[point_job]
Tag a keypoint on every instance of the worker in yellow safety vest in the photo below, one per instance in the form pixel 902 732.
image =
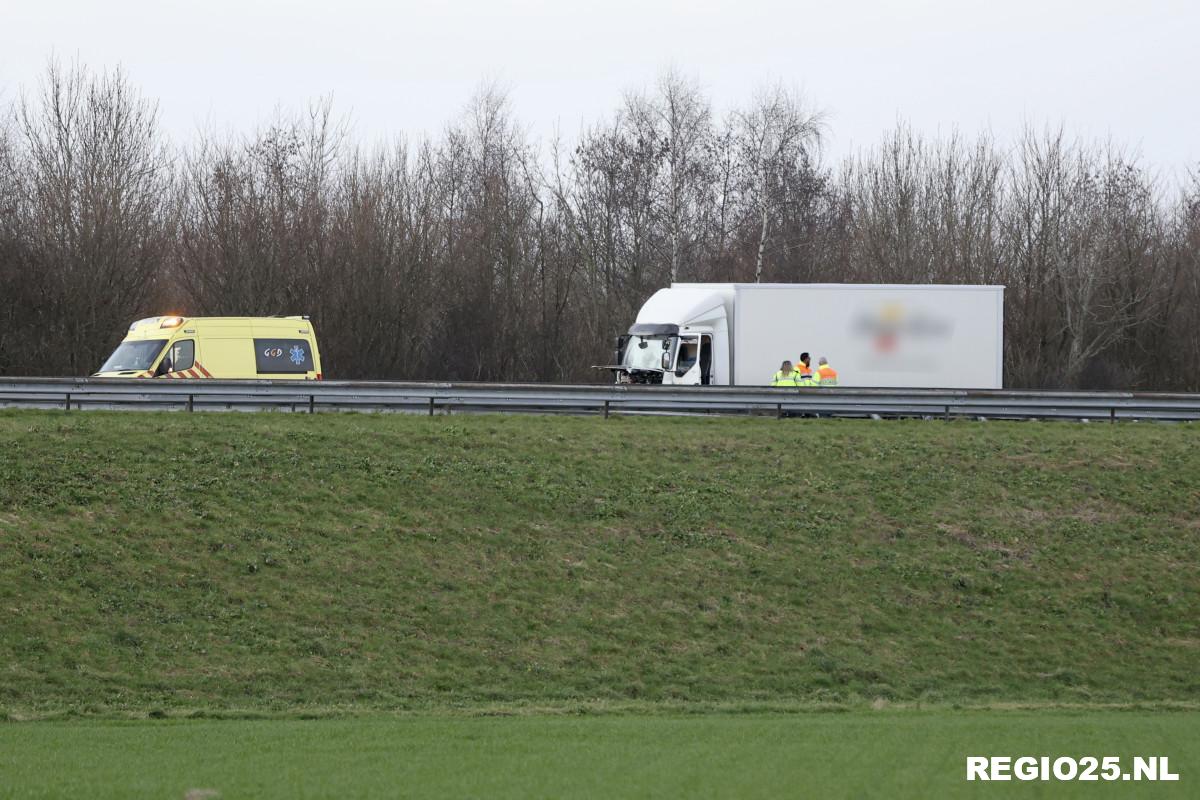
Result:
pixel 786 376
pixel 826 375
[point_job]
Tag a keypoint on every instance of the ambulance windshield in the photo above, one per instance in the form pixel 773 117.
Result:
pixel 134 356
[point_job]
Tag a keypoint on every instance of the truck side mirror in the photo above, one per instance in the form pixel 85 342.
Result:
pixel 666 361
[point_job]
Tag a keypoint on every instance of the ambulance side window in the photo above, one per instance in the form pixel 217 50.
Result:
pixel 182 355
pixel 283 356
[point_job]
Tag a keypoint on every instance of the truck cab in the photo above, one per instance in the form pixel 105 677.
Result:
pixel 669 357
pixel 681 338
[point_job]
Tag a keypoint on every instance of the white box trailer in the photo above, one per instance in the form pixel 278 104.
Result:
pixel 905 336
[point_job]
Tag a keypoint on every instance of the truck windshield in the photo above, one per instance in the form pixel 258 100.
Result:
pixel 645 352
pixel 133 355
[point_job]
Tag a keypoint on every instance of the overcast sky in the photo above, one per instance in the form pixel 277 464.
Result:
pixel 1125 70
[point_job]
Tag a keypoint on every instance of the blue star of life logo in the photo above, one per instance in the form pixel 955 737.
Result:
pixel 296 355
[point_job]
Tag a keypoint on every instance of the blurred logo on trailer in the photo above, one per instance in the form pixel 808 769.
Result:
pixel 899 338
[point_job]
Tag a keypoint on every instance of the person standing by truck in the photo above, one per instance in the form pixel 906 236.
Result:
pixel 803 368
pixel 786 376
pixel 826 375
pixel 804 374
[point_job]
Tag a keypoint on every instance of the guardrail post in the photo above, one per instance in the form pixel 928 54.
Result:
pixel 312 404
pixel 947 413
pixel 189 403
pixel 779 411
pixel 68 401
pixel 606 409
pixel 1112 416
pixel 431 406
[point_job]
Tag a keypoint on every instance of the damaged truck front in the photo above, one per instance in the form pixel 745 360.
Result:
pixel 681 337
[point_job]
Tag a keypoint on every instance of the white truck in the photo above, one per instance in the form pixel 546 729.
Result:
pixel 722 334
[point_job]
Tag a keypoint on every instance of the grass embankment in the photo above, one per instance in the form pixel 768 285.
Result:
pixel 183 563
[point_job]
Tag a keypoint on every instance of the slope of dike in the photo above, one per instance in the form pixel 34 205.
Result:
pixel 213 562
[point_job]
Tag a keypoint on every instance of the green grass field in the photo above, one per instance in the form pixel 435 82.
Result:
pixel 858 754
pixel 626 570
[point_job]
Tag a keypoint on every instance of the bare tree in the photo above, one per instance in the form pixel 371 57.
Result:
pixel 1069 206
pixel 474 255
pixel 677 121
pixel 14 282
pixel 255 216
pixel 93 204
pixel 776 133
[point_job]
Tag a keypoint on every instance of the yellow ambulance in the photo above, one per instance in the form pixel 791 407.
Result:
pixel 217 347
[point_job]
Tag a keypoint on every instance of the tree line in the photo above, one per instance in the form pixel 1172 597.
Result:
pixel 481 254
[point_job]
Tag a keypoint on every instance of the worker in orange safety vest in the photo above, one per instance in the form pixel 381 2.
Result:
pixel 804 371
pixel 826 375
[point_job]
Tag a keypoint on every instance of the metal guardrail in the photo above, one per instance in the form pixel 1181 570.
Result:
pixel 448 398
